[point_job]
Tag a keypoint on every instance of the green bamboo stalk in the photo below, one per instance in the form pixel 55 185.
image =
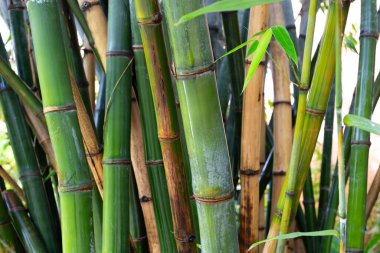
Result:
pixel 73 175
pixel 27 232
pixel 153 156
pixel 152 149
pixel 207 146
pixel 149 19
pixel 325 176
pixel 310 213
pixel 317 103
pixel 117 123
pixel 9 241
pixel 29 171
pixel 236 68
pixel 298 131
pixel 137 227
pixel 360 139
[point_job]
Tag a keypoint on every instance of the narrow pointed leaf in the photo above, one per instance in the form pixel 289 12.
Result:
pixel 331 232
pixel 283 38
pixel 224 5
pixel 362 123
pixel 252 48
pixel 259 53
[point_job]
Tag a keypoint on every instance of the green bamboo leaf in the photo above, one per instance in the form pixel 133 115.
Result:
pixel 257 57
pixel 251 40
pixel 224 5
pixel 252 48
pixel 331 232
pixel 362 123
pixel 375 240
pixel 283 38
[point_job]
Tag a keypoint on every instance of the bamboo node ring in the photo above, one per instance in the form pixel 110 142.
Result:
pixel 168 138
pixel 190 74
pixel 13 6
pixel 279 173
pixel 59 109
pixel 290 27
pixel 214 200
pixel 137 47
pixel 117 162
pixel 94 154
pixel 139 239
pixel 287 102
pixel 290 194
pixel 249 172
pixel 308 202
pixel 121 53
pixel 27 175
pixel 368 34
pixel 154 162
pixel 365 143
pixel 188 238
pixel 75 188
pixel 315 112
pixel 154 20
pixel 87 51
pixel 86 5
pixel 145 199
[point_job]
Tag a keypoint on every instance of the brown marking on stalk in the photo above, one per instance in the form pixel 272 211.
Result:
pixel 214 200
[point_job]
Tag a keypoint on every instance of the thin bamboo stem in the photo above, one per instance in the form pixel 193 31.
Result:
pixel 250 145
pixel 89 69
pixel 372 194
pixel 7 178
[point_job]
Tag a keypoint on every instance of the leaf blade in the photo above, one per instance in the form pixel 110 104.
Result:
pixel 283 38
pixel 362 123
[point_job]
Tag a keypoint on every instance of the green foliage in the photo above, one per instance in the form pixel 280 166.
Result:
pixel 362 123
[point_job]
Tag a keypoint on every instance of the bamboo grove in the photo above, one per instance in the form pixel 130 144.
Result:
pixel 142 126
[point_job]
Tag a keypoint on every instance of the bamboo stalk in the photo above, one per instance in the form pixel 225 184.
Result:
pixel 282 108
pixel 89 69
pixel 27 232
pixel 142 179
pixel 262 220
pixel 310 213
pixel 153 155
pixel 7 178
pixel 27 165
pixel 203 125
pixel 117 126
pixel 97 23
pixel 149 19
pixel 74 177
pixel 9 241
pixel 373 194
pixel 250 146
pixel 360 139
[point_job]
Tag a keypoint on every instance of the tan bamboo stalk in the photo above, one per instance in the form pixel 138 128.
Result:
pixel 90 140
pixel 42 135
pixel 282 108
pixel 89 70
pixel 373 193
pixel 7 178
pixel 250 145
pixel 262 162
pixel 98 25
pixel 141 175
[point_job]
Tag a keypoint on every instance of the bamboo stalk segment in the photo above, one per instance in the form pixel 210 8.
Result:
pixel 250 145
pixel 7 178
pixel 373 194
pixel 89 69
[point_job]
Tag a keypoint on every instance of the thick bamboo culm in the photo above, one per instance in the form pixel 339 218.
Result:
pixel 203 127
pixel 356 222
pixel 97 23
pixel 149 19
pixel 75 184
pixel 282 108
pixel 373 194
pixel 141 175
pixel 250 145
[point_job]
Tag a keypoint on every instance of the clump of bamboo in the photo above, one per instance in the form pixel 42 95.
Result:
pixel 73 175
pixel 250 145
pixel 356 222
pixel 149 19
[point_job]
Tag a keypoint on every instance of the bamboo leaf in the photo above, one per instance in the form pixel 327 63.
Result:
pixel 362 123
pixel 375 240
pixel 283 38
pixel 257 57
pixel 331 232
pixel 252 48
pixel 224 5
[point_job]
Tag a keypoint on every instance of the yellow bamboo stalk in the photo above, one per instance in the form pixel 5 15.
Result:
pixel 141 175
pixel 97 22
pixel 89 70
pixel 262 162
pixel 7 178
pixel 282 108
pixel 250 145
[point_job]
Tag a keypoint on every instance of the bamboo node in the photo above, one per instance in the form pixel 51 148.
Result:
pixel 290 194
pixel 191 74
pixel 188 238
pixel 168 138
pixel 59 108
pixel 249 172
pixel 17 6
pixel 86 5
pixel 279 173
pixel 28 175
pixel 87 51
pixel 214 200
pixel 75 188
pixel 315 112
pixel 247 61
pixel 94 154
pixel 117 162
pixel 368 34
pixel 365 143
pixel 154 162
pixel 145 199
pixel 154 20
pixel 308 202
pixel 290 27
pixel 137 47
pixel 277 102
pixel 139 239
pixel 121 53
